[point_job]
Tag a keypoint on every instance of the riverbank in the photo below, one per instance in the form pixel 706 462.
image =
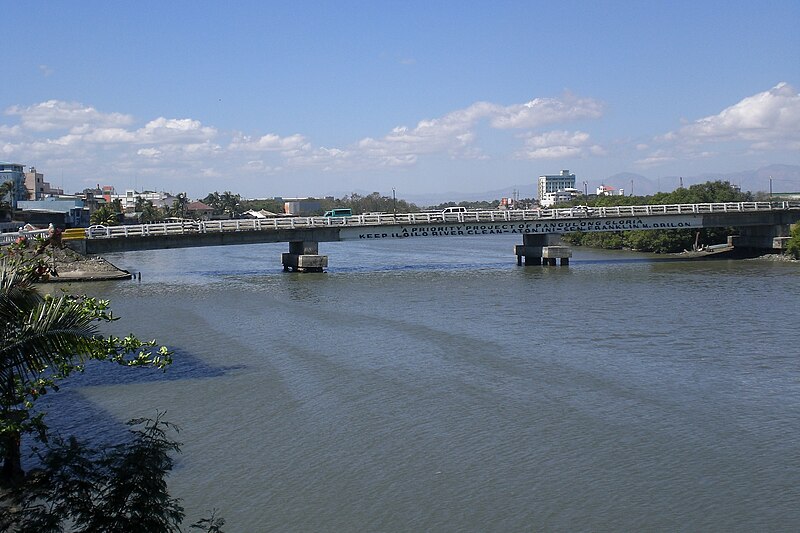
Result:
pixel 71 266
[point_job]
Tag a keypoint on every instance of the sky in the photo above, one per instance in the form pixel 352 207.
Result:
pixel 303 98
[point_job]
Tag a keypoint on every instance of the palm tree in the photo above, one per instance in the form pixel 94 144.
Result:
pixel 42 340
pixel 104 215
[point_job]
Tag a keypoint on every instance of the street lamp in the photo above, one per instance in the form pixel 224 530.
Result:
pixel 394 202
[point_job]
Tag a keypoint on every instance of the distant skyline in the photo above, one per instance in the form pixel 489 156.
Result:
pixel 303 99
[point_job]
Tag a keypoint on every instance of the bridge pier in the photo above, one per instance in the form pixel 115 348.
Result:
pixel 542 248
pixel 766 238
pixel 304 256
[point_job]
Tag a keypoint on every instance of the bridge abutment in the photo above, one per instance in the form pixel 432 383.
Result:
pixel 304 256
pixel 542 249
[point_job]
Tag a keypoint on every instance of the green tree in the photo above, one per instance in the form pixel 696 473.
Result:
pixel 113 488
pixel 226 203
pixel 148 213
pixel 44 339
pixel 275 206
pixel 105 215
pixel 664 241
pixel 8 192
pixel 371 203
pixel 179 205
pixel 793 248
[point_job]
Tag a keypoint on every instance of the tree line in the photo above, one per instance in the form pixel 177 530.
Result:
pixel 662 241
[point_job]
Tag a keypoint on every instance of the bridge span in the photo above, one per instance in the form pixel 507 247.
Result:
pixel 760 223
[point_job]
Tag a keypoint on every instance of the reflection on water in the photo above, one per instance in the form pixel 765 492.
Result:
pixel 435 385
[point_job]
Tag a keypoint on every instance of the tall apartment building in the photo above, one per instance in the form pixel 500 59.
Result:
pixel 555 183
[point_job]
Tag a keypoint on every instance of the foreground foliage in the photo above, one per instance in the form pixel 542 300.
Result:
pixel 119 488
pixel 43 340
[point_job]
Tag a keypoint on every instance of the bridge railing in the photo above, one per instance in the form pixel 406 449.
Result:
pixel 10 237
pixel 378 219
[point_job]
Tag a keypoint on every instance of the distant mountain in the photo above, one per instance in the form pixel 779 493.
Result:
pixel 423 200
pixel 785 178
pixel 630 183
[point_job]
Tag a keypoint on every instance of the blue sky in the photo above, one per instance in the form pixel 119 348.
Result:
pixel 316 98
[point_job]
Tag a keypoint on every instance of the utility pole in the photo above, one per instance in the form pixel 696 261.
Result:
pixel 394 202
pixel 770 188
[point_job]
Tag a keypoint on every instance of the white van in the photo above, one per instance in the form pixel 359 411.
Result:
pixel 454 209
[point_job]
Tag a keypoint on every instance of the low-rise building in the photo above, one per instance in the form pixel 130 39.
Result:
pixel 199 210
pixel 131 196
pixel 301 206
pixel 61 212
pixel 37 187
pixel 559 197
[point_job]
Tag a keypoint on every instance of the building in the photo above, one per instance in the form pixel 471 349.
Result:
pixel 605 190
pixel 199 211
pixel 301 206
pixel 15 173
pixel 557 197
pixel 555 183
pixel 129 199
pixel 37 187
pixel 61 212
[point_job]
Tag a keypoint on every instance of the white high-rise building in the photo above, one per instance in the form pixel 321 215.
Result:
pixel 555 183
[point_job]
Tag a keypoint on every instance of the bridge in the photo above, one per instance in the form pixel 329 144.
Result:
pixel 762 225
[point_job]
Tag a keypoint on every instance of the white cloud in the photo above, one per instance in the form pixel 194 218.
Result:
pixel 152 153
pixel 269 143
pixel 542 111
pixel 86 138
pixel 454 133
pixel 59 115
pixel 10 131
pixel 767 120
pixel 558 145
pixel 174 130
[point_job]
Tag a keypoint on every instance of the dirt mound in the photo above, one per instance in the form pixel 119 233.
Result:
pixel 69 265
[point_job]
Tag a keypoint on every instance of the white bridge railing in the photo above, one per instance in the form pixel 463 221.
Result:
pixel 288 223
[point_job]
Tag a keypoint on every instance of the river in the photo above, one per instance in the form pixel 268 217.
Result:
pixel 434 385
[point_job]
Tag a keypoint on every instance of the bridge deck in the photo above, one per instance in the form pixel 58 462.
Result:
pixel 389 219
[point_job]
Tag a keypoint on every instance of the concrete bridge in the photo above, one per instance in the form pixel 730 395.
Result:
pixel 763 225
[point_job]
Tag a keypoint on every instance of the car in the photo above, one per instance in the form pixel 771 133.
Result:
pixel 454 209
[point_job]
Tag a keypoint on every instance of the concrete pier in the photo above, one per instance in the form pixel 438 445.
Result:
pixel 304 256
pixel 772 237
pixel 551 253
pixel 542 248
